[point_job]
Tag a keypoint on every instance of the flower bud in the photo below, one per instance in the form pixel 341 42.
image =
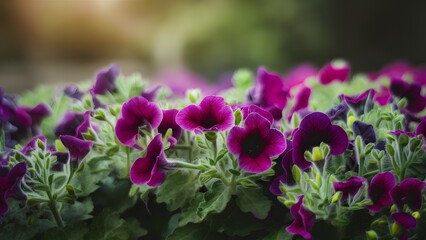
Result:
pixel 238 117
pixel 403 140
pixel 193 95
pixel 371 235
pixel 397 230
pixel 350 121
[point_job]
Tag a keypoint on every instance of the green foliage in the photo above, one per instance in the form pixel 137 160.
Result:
pixel 252 200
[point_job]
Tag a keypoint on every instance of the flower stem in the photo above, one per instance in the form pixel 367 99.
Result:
pixel 127 161
pixel 54 210
pixel 181 164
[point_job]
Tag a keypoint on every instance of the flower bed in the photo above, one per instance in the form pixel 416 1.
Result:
pixel 312 154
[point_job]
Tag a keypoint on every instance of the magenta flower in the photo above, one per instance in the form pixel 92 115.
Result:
pixel 74 92
pixel 350 187
pixel 77 148
pixel 255 144
pixel 137 113
pixel 147 170
pixel 211 115
pixel 298 75
pixel 31 145
pixel 314 129
pixel 411 92
pixel 408 192
pixel 151 94
pixel 304 220
pixel 268 92
pixel 379 190
pixel 361 103
pixel 10 186
pixel 301 100
pixel 383 97
pixel 247 109
pixel 169 121
pixel 74 124
pixel 105 80
pixel 406 221
pixel 334 71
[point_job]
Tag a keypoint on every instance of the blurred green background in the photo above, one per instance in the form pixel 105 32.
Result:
pixel 58 41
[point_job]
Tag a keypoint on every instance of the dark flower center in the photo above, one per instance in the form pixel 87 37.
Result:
pixel 209 122
pixel 376 193
pixel 253 144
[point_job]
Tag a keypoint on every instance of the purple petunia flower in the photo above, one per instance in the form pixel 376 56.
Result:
pixel 77 148
pixel 409 192
pixel 255 144
pixel 338 112
pixel 349 187
pixel 247 109
pixel 361 103
pixel 314 129
pixel 379 190
pixel 31 145
pixel 147 170
pixel 211 115
pixel 151 94
pixel 411 92
pixel 298 75
pixel 10 186
pixel 304 220
pixel 366 131
pixel 137 113
pixel 406 221
pixel 269 93
pixel 383 97
pixel 73 124
pixel 283 170
pixel 74 92
pixel 334 71
pixel 105 80
pixel 169 121
pixel 301 100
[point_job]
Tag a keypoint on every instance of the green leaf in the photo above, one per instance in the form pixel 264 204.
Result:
pixel 279 234
pixel 74 231
pixel 194 232
pixel 179 188
pixel 216 200
pixel 109 226
pixel 252 200
pixel 78 211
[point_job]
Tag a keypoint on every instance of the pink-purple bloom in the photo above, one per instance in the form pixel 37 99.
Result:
pixel 147 170
pixel 366 131
pixel 350 187
pixel 314 129
pixel 247 109
pixel 304 220
pixel 301 100
pixel 211 115
pixel 408 192
pixel 105 80
pixel 137 113
pixel 77 148
pixel 74 124
pixel 416 102
pixel 268 92
pixel 10 186
pixel 406 221
pixel 283 170
pixel 31 145
pixel 255 144
pixel 379 191
pixel 334 71
pixel 338 112
pixel 169 121
pixel 360 103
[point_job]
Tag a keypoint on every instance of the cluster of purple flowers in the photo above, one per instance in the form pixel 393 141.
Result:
pixel 254 133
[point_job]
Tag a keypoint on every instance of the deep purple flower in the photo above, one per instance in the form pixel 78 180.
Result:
pixel 409 192
pixel 137 113
pixel 314 129
pixel 349 187
pixel 72 91
pixel 169 121
pixel 411 92
pixel 105 80
pixel 283 170
pixel 151 94
pixel 147 170
pixel 421 128
pixel 247 109
pixel 77 148
pixel 338 112
pixel 268 92
pixel 379 190
pixel 334 71
pixel 31 145
pixel 406 221
pixel 366 131
pixel 69 123
pixel 301 100
pixel 10 186
pixel 304 220
pixel 211 115
pixel 361 103
pixel 255 144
